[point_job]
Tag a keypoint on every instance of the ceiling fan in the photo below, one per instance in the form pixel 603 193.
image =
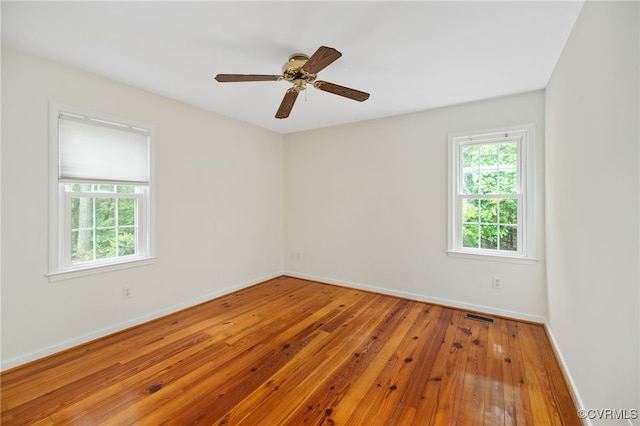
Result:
pixel 300 70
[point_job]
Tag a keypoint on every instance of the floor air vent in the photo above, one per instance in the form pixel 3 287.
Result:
pixel 479 317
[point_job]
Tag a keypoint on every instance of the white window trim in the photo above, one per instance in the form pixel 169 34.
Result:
pixel 526 236
pixel 58 271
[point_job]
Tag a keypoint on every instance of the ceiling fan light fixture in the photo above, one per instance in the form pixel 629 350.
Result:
pixel 299 84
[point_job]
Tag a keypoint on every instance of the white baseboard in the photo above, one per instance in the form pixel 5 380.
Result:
pixel 423 298
pixel 79 340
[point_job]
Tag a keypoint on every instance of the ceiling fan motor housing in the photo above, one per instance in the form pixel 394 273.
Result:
pixel 292 71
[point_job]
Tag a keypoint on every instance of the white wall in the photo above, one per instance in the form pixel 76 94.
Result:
pixel 219 211
pixel 366 206
pixel 592 200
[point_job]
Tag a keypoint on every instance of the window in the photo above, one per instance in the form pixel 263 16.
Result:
pixel 104 221
pixel 100 184
pixel 490 194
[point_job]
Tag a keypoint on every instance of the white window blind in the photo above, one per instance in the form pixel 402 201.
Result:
pixel 97 150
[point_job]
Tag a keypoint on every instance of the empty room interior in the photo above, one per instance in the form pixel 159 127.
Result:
pixel 345 213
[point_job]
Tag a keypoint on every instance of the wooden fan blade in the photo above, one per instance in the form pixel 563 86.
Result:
pixel 347 92
pixel 323 57
pixel 226 78
pixel 287 103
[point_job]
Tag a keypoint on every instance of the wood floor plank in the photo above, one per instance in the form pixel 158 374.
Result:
pixel 435 395
pixel 326 400
pixel 541 374
pixel 524 415
pixel 421 343
pixel 564 403
pixel 264 351
pixel 471 409
pixel 349 413
pixel 494 402
pixel 290 351
pixel 333 355
pixel 508 381
pixel 266 403
pixel 327 363
pixel 397 380
pixel 382 397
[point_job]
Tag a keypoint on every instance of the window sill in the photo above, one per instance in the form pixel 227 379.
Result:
pixel 98 269
pixel 493 257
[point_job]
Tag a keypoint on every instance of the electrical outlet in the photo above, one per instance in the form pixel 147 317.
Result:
pixel 127 293
pixel 295 255
pixel 497 283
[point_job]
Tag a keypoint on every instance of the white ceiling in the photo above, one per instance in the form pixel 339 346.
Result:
pixel 410 56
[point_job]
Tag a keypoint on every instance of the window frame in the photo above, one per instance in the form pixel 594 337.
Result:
pixel 60 265
pixel 524 136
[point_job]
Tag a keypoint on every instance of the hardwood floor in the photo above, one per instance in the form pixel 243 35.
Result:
pixel 290 351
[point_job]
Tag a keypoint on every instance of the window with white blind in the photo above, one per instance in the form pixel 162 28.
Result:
pixel 490 194
pixel 100 192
